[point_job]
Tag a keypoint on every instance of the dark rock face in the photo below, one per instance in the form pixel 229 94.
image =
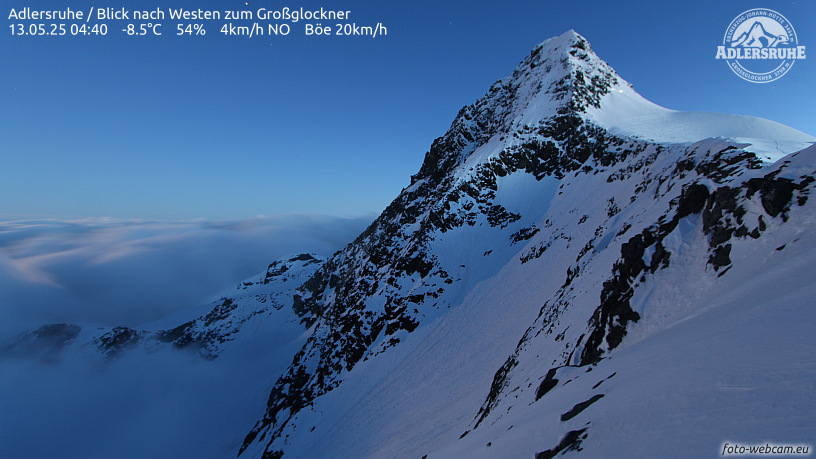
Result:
pixel 181 336
pixel 44 343
pixel 576 410
pixel 547 384
pixel 203 334
pixel 499 383
pixel 693 200
pixel 571 442
pixel 55 333
pixel 723 217
pixel 118 340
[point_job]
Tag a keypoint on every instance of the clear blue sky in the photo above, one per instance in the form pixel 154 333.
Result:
pixel 216 127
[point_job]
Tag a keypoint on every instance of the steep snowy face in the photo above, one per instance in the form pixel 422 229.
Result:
pixel 527 232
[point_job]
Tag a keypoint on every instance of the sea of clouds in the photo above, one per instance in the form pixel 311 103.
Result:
pixel 111 272
pixel 102 272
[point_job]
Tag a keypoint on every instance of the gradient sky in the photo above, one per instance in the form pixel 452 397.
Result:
pixel 222 127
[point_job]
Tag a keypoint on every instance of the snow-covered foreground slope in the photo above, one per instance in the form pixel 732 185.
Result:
pixel 572 270
pixel 739 369
pixel 711 360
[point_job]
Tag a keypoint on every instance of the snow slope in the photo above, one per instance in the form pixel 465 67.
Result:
pixel 624 112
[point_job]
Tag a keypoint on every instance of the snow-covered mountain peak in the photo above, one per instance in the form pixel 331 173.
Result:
pixel 560 76
pixel 601 96
pixel 557 83
pixel 562 88
pixel 590 88
pixel 586 76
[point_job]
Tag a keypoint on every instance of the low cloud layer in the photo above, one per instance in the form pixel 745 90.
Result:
pixel 141 404
pixel 108 273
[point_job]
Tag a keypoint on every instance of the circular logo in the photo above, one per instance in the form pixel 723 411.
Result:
pixel 760 45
